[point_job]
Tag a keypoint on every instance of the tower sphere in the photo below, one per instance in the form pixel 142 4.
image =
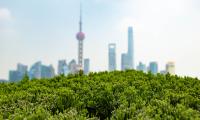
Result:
pixel 80 36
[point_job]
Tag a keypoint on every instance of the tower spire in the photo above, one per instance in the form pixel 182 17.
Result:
pixel 80 27
pixel 80 37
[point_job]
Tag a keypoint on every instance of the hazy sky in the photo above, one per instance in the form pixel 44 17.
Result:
pixel 164 30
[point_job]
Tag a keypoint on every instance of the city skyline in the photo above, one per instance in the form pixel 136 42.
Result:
pixel 28 35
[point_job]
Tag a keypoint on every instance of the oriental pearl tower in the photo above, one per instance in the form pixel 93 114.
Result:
pixel 80 37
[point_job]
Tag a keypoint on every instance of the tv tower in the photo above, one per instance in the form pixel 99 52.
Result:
pixel 80 37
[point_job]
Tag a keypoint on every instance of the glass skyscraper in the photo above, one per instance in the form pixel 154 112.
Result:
pixel 62 67
pixel 86 66
pixel 142 67
pixel 17 75
pixel 112 57
pixel 35 70
pixel 127 59
pixel 153 67
pixel 130 48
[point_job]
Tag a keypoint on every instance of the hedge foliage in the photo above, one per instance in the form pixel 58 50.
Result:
pixel 118 95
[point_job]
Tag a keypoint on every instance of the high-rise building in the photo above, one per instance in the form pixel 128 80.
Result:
pixel 39 71
pixel 124 62
pixel 80 37
pixel 142 67
pixel 17 75
pixel 112 57
pixel 22 68
pixel 47 71
pixel 170 68
pixel 72 67
pixel 127 59
pixel 35 70
pixel 130 53
pixel 14 76
pixel 86 66
pixel 153 67
pixel 62 65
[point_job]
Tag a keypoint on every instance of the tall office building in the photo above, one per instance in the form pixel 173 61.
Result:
pixel 86 66
pixel 47 71
pixel 72 67
pixel 39 71
pixel 35 70
pixel 22 68
pixel 14 76
pixel 142 67
pixel 153 67
pixel 124 62
pixel 170 68
pixel 80 37
pixel 112 57
pixel 127 59
pixel 130 53
pixel 17 75
pixel 62 65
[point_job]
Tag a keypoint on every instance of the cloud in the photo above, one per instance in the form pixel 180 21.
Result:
pixel 5 14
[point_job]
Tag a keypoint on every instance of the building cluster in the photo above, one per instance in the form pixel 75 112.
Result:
pixel 127 59
pixel 38 70
pixel 153 68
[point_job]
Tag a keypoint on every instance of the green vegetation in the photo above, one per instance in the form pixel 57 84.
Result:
pixel 118 95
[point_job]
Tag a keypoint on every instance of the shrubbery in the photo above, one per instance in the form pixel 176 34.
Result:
pixel 116 95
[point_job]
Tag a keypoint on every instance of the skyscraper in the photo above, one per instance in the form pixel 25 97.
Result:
pixel 112 57
pixel 86 66
pixel 153 67
pixel 142 67
pixel 14 76
pixel 35 70
pixel 47 71
pixel 22 68
pixel 39 71
pixel 127 59
pixel 17 75
pixel 62 67
pixel 72 67
pixel 80 37
pixel 130 48
pixel 170 68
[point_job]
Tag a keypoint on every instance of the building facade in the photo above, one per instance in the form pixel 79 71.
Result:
pixel 153 67
pixel 86 66
pixel 14 76
pixel 130 53
pixel 62 65
pixel 142 67
pixel 35 70
pixel 17 75
pixel 112 57
pixel 47 71
pixel 127 59
pixel 72 67
pixel 170 68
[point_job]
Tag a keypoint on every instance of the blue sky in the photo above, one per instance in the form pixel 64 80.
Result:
pixel 164 30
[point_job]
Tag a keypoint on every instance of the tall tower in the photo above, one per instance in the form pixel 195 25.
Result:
pixel 112 57
pixel 130 48
pixel 80 37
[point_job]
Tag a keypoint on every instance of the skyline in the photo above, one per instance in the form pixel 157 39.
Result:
pixel 28 34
